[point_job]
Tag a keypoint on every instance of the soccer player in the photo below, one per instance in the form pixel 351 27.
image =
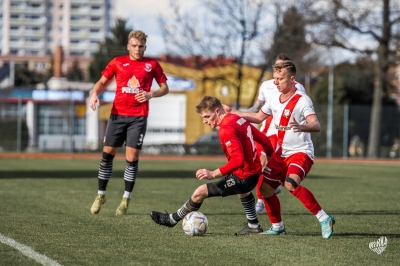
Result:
pixel 134 75
pixel 267 89
pixel 294 118
pixel 239 175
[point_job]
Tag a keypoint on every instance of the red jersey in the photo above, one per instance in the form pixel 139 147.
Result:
pixel 132 76
pixel 238 138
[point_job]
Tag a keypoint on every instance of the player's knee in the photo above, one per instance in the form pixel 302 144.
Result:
pixel 200 193
pixel 290 184
pixel 266 190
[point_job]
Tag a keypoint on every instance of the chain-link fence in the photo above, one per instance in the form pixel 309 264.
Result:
pixel 62 127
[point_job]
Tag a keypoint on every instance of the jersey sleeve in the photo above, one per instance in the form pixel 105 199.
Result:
pixel 300 87
pixel 266 108
pixel 159 74
pixel 308 107
pixel 109 71
pixel 261 93
pixel 234 150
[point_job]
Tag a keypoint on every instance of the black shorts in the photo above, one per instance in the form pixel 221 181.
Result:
pixel 128 129
pixel 232 185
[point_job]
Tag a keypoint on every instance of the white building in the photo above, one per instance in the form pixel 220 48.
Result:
pixel 36 27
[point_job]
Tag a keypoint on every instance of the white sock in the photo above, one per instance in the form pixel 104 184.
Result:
pixel 127 194
pixel 252 225
pixel 260 201
pixel 321 215
pixel 278 226
pixel 101 192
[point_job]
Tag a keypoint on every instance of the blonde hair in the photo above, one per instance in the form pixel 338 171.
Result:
pixel 138 34
pixel 288 65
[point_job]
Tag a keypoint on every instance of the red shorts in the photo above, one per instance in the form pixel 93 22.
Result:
pixel 279 168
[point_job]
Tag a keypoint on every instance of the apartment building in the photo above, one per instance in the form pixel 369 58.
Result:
pixel 32 29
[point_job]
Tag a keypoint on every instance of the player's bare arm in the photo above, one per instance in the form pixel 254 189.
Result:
pixel 144 96
pixel 97 89
pixel 256 107
pixel 311 126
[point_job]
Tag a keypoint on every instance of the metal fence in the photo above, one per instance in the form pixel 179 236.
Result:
pixel 63 130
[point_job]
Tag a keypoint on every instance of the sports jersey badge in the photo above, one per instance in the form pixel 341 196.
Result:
pixel 286 113
pixel 147 67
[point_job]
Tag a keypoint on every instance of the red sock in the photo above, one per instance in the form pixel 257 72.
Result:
pixel 273 208
pixel 259 183
pixel 307 198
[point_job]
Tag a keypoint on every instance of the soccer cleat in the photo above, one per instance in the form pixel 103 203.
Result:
pixel 278 190
pixel 98 201
pixel 272 231
pixel 123 207
pixel 327 227
pixel 162 218
pixel 260 207
pixel 248 230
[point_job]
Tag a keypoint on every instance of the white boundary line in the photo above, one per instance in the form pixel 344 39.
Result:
pixel 29 252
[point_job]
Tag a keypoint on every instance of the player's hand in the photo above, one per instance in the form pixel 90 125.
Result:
pixel 295 126
pixel 94 102
pixel 143 96
pixel 226 108
pixel 204 174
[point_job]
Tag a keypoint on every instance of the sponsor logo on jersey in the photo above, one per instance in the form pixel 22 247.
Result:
pixel 285 128
pixel 126 64
pixel 147 67
pixel 286 113
pixel 228 143
pixel 133 86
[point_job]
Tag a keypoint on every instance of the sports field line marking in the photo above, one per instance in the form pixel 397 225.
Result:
pixel 29 252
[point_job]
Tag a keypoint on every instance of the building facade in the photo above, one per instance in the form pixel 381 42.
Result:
pixel 36 27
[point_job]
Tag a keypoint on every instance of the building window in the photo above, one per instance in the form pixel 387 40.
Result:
pixel 14 51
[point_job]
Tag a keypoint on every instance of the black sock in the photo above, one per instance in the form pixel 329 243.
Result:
pixel 189 206
pixel 105 170
pixel 130 174
pixel 249 207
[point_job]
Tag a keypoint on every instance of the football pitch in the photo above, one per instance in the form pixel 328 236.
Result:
pixel 45 217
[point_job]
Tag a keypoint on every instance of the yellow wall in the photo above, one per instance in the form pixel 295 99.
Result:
pixel 207 83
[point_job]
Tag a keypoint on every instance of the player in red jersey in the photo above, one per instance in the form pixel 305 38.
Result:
pixel 134 76
pixel 294 119
pixel 239 175
pixel 267 89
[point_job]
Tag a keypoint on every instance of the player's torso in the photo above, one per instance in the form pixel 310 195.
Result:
pixel 291 141
pixel 246 143
pixel 133 75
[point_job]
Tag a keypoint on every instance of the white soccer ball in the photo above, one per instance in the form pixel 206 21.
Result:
pixel 195 224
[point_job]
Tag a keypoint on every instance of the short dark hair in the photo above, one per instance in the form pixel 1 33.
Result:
pixel 209 103
pixel 283 57
pixel 291 68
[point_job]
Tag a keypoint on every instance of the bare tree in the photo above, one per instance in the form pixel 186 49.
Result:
pixel 369 27
pixel 230 28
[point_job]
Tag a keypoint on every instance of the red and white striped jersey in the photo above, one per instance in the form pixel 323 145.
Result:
pixel 298 106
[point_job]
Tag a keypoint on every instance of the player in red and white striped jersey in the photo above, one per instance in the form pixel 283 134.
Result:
pixel 267 89
pixel 294 119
